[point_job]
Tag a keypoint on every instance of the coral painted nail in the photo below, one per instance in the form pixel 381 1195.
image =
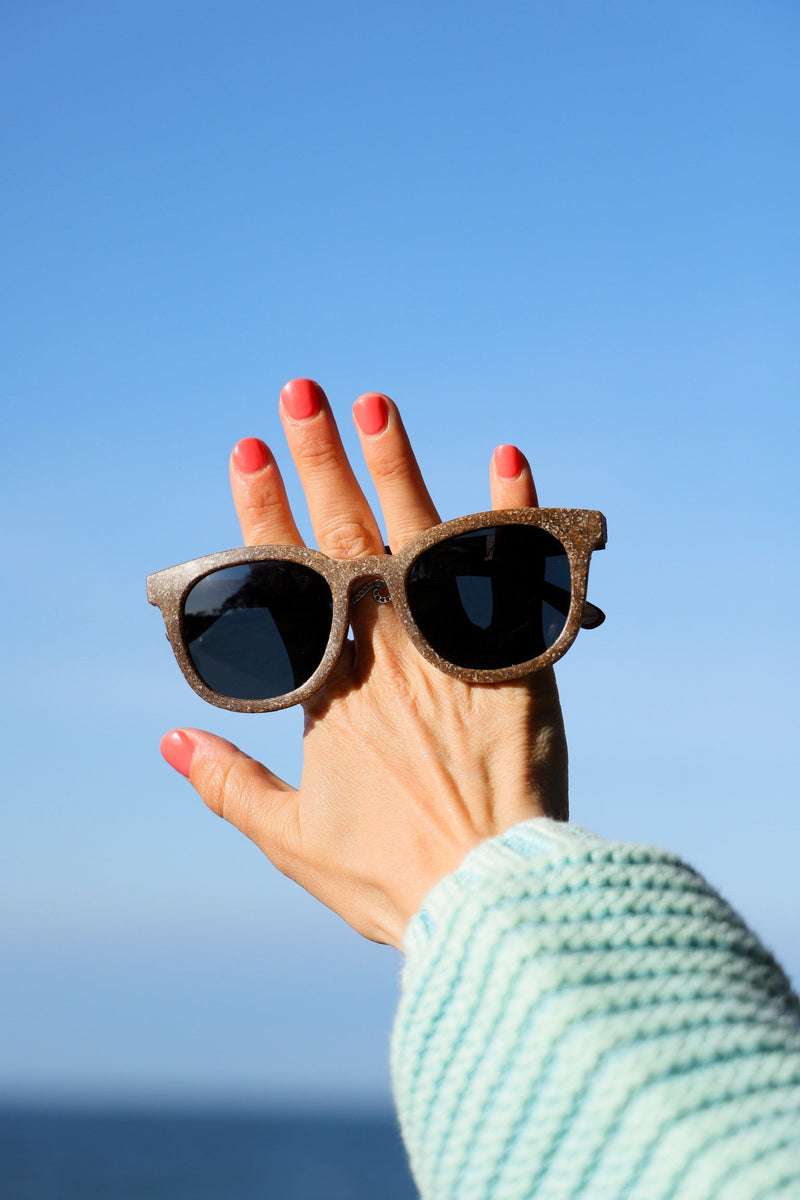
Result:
pixel 508 462
pixel 371 413
pixel 302 398
pixel 178 750
pixel 250 455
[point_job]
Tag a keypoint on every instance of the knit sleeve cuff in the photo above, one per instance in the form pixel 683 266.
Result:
pixel 512 851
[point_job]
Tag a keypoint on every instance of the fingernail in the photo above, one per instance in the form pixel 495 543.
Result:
pixel 178 749
pixel 508 462
pixel 371 413
pixel 250 455
pixel 302 398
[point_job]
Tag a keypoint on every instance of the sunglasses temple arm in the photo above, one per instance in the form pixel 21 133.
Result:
pixel 559 598
pixel 592 616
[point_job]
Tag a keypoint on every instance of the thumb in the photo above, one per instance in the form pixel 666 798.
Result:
pixel 238 788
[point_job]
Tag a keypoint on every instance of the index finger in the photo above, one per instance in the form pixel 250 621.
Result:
pixel 260 496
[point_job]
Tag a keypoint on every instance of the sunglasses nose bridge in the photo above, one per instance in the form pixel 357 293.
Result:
pixel 367 575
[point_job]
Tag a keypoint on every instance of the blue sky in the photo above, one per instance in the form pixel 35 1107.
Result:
pixel 570 226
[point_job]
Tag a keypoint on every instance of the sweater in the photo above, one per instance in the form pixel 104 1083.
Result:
pixel 581 1018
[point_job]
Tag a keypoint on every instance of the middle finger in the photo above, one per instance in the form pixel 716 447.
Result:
pixel 343 522
pixel 405 500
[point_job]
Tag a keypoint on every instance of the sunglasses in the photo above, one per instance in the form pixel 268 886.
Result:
pixel 487 598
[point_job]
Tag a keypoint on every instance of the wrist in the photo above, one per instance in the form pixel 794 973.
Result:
pixel 512 851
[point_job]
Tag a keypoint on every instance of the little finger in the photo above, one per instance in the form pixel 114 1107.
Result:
pixel 511 479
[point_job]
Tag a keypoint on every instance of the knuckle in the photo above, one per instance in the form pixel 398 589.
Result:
pixel 228 794
pixel 319 454
pixel 402 677
pixel 281 849
pixel 347 539
pixel 266 521
pixel 264 505
pixel 390 470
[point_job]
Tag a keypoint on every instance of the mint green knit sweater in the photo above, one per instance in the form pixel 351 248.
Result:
pixel 585 1018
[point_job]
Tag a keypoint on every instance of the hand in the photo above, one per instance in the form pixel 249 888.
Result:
pixel 404 769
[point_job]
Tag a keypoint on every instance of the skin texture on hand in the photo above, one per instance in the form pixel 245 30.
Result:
pixel 404 768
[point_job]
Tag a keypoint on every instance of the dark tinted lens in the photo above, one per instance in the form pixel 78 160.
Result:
pixel 258 630
pixel 493 598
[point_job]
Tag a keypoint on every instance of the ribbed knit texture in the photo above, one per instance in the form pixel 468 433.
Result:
pixel 587 1019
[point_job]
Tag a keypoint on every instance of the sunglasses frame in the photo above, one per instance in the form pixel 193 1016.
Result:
pixel 580 531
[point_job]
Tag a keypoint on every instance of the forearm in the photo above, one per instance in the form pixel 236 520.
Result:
pixel 584 1017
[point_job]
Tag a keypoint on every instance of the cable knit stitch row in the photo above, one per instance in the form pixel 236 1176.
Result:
pixel 581 1018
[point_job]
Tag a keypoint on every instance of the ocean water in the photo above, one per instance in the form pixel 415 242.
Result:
pixel 83 1155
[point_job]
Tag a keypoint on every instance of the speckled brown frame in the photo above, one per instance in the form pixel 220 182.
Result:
pixel 579 530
